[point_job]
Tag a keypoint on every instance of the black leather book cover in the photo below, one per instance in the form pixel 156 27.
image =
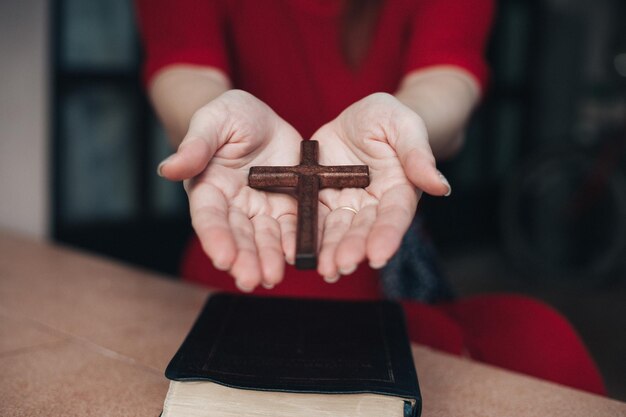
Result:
pixel 300 345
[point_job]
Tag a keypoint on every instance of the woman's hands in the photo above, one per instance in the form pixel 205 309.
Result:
pixel 250 232
pixel 381 132
pixel 244 231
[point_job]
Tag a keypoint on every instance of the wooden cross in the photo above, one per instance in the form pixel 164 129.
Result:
pixel 308 178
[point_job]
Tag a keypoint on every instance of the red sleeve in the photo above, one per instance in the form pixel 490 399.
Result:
pixel 181 32
pixel 451 32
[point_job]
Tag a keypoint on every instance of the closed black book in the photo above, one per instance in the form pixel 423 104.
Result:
pixel 279 356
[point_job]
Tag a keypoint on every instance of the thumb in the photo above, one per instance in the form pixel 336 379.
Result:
pixel 423 173
pixel 197 148
pixel 191 158
pixel 417 159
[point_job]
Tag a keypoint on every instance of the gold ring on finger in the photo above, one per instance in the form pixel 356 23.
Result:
pixel 348 208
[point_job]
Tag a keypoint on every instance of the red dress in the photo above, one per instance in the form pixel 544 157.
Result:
pixel 287 53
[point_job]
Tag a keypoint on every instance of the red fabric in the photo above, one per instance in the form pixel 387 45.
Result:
pixel 526 336
pixel 363 284
pixel 287 53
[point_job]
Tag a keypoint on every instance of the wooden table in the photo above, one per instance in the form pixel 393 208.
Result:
pixel 85 336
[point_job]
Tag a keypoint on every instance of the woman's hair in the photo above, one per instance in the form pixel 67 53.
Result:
pixel 359 20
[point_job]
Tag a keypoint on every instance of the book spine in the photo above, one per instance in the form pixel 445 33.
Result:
pixel 411 410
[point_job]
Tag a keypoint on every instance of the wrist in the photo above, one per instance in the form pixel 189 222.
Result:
pixel 179 91
pixel 444 97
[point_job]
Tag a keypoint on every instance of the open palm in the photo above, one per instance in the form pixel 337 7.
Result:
pixel 391 139
pixel 242 230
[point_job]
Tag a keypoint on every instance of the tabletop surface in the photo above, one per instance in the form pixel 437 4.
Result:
pixel 86 336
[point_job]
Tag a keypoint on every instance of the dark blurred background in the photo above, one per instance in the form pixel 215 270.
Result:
pixel 539 201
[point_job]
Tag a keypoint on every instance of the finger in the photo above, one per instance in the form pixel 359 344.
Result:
pixel 352 247
pixel 267 239
pixel 322 212
pixel 247 268
pixel 287 223
pixel 336 224
pixel 209 215
pixel 416 156
pixel 393 217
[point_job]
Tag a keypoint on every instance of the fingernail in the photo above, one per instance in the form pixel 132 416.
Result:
pixel 347 270
pixel 267 286
pixel 243 287
pixel 290 261
pixel 445 182
pixel 162 164
pixel 219 266
pixel 377 265
pixel 333 279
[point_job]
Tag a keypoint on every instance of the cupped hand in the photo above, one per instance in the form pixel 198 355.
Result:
pixel 244 231
pixel 381 132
